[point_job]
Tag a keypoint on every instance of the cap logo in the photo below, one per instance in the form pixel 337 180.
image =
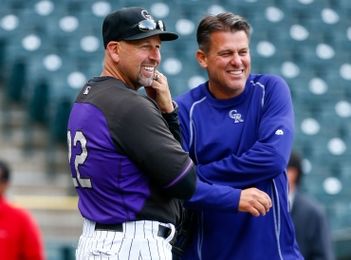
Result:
pixel 145 14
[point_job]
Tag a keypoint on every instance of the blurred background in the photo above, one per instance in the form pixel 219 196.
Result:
pixel 48 49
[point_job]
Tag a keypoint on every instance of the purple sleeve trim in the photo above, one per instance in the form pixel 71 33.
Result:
pixel 184 172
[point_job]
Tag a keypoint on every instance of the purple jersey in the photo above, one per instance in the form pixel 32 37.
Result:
pixel 116 170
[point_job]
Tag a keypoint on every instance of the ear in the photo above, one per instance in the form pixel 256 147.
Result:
pixel 201 58
pixel 113 49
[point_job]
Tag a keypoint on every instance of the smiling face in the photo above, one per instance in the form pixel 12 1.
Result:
pixel 227 62
pixel 138 61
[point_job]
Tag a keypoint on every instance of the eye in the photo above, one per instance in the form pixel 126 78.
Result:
pixel 145 46
pixel 243 52
pixel 225 54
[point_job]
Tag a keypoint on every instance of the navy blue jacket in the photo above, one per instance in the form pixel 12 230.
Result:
pixel 242 142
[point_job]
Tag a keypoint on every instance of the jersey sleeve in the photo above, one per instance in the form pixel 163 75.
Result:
pixel 173 122
pixel 269 155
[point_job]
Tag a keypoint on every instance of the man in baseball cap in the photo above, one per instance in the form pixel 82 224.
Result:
pixel 123 193
pixel 133 23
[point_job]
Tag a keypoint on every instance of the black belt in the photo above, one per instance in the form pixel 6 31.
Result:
pixel 162 230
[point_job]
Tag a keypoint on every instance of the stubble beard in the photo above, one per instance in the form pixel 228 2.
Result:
pixel 145 81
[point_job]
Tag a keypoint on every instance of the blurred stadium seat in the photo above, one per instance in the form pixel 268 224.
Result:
pixel 39 99
pixel 48 49
pixel 15 84
pixel 59 119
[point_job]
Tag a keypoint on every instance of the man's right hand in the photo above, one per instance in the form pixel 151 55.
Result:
pixel 255 202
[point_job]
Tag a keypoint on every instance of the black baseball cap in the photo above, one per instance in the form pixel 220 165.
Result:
pixel 133 23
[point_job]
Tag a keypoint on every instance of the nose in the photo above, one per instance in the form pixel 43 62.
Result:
pixel 155 54
pixel 236 60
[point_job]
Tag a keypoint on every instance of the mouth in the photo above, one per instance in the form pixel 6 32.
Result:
pixel 148 71
pixel 236 72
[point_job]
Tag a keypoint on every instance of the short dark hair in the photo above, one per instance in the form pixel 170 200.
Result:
pixel 296 162
pixel 222 22
pixel 4 172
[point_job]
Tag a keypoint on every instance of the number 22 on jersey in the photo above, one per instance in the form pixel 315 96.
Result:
pixel 78 159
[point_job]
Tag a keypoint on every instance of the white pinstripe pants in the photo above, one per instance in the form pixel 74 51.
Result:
pixel 138 241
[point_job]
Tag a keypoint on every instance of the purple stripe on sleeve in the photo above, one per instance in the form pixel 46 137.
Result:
pixel 185 171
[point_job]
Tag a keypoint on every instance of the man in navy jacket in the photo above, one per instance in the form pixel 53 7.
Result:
pixel 238 128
